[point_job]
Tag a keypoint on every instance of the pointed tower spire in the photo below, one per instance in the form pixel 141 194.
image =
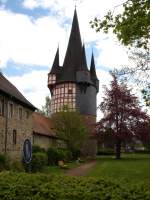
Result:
pixel 55 63
pixel 83 60
pixel 92 69
pixel 73 55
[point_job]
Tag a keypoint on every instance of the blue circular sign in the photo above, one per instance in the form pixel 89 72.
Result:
pixel 27 151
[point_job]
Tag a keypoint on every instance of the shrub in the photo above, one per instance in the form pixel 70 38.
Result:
pixel 39 161
pixel 52 156
pixel 3 162
pixel 55 154
pixel 36 148
pixel 16 166
pixel 76 153
pixel 105 152
pixel 42 187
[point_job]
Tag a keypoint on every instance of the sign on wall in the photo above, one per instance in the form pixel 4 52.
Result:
pixel 27 151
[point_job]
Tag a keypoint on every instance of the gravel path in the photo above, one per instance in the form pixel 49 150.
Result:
pixel 82 169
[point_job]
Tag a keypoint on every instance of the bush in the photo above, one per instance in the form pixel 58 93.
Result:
pixel 76 153
pixel 105 152
pixel 54 155
pixel 16 166
pixel 3 162
pixel 36 148
pixel 42 187
pixel 39 161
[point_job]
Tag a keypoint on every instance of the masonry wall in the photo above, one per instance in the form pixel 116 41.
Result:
pixel 43 141
pixel 23 128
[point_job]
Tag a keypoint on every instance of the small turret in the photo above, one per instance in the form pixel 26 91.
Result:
pixel 54 70
pixel 83 74
pixel 93 73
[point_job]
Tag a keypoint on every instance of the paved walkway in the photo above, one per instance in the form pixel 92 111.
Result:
pixel 82 169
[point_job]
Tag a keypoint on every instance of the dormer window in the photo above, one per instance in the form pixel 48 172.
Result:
pixel 51 79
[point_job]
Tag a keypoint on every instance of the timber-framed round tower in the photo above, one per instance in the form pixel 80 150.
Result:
pixel 73 84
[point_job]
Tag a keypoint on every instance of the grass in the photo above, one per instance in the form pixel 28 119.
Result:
pixel 135 167
pixel 59 171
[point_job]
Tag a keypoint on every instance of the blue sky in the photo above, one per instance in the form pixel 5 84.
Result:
pixel 31 31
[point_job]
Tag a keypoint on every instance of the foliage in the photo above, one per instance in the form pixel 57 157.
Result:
pixel 146 95
pixel 43 187
pixel 70 127
pixel 132 26
pixel 36 148
pixel 123 115
pixel 3 162
pixel 39 161
pixel 55 154
pixel 46 109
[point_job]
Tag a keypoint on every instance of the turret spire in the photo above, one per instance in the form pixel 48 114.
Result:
pixel 92 69
pixel 83 60
pixel 55 63
pixel 73 55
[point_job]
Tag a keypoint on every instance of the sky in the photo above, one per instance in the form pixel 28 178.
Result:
pixel 31 30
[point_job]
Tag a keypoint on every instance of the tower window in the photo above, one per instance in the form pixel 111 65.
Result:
pixel 70 91
pixel 51 79
pixel 14 137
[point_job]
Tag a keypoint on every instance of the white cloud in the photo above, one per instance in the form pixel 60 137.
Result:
pixel 28 42
pixel 111 53
pixel 34 42
pixel 33 86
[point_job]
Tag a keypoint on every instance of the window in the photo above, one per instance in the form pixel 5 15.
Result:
pixel 20 113
pixel 2 107
pixel 14 137
pixel 10 110
pixel 27 114
pixel 51 79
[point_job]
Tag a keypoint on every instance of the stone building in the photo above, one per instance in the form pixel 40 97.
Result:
pixel 74 85
pixel 43 133
pixel 16 123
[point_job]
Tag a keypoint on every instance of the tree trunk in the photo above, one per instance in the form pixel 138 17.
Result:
pixel 118 149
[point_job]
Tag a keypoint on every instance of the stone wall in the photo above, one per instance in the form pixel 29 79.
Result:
pixel 90 144
pixel 22 126
pixel 43 141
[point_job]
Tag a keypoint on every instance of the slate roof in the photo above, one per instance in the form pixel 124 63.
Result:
pixel 42 125
pixel 73 55
pixel 12 92
pixel 92 69
pixel 55 66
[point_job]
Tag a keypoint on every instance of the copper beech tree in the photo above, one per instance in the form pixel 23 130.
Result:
pixel 122 115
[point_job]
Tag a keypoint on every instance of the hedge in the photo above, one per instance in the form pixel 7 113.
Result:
pixel 16 186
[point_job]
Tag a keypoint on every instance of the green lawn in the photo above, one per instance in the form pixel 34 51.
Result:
pixel 59 171
pixel 135 167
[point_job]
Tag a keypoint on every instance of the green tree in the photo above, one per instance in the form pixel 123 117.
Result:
pixel 46 109
pixel 70 126
pixel 132 26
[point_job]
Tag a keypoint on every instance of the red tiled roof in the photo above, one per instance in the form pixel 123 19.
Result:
pixel 10 90
pixel 42 125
